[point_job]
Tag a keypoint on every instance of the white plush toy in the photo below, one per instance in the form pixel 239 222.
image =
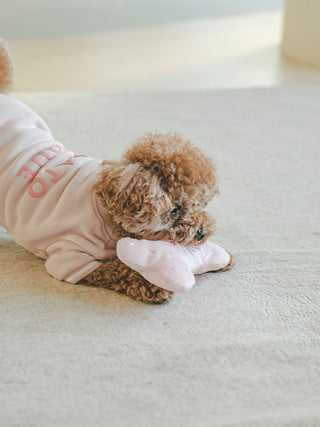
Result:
pixel 170 265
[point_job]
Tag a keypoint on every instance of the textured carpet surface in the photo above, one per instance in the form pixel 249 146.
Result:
pixel 241 348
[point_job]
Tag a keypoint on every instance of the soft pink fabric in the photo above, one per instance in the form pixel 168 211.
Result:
pixel 46 202
pixel 170 265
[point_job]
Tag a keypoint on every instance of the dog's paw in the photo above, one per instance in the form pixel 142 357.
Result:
pixel 231 264
pixel 145 292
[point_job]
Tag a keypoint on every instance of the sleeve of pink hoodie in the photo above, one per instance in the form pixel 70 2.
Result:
pixel 69 262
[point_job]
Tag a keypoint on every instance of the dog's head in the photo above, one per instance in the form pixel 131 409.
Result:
pixel 159 189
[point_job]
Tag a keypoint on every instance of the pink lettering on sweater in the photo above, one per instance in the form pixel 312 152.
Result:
pixel 57 149
pixel 70 161
pixel 38 186
pixel 38 158
pixel 39 162
pixel 26 173
pixel 48 156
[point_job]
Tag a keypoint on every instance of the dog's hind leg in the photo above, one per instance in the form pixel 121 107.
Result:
pixel 116 275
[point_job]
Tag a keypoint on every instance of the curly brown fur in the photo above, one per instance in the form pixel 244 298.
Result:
pixel 119 277
pixel 160 173
pixel 6 68
pixel 157 191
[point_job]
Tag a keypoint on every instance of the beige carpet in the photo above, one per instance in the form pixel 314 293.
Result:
pixel 242 348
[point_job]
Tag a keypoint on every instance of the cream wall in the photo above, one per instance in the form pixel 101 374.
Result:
pixel 126 46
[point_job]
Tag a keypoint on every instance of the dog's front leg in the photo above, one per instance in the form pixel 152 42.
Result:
pixel 115 275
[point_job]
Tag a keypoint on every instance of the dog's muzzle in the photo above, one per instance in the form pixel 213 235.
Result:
pixel 201 233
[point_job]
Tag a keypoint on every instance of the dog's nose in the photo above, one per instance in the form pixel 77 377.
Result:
pixel 201 233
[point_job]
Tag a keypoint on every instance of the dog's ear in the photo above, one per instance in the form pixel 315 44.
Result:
pixel 121 189
pixel 113 187
pixel 178 165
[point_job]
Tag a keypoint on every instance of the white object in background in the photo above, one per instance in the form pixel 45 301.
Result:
pixel 301 34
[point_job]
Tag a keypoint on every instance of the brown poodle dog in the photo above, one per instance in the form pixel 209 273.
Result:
pixel 157 191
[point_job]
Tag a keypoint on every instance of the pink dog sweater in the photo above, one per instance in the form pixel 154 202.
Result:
pixel 46 202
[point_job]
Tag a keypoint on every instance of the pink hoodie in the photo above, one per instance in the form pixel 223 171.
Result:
pixel 46 202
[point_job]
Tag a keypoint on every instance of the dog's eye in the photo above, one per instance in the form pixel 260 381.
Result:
pixel 176 211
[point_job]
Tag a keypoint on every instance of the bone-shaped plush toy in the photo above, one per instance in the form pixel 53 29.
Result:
pixel 170 265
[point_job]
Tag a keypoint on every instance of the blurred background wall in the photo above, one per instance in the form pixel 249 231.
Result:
pixel 54 18
pixel 148 45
